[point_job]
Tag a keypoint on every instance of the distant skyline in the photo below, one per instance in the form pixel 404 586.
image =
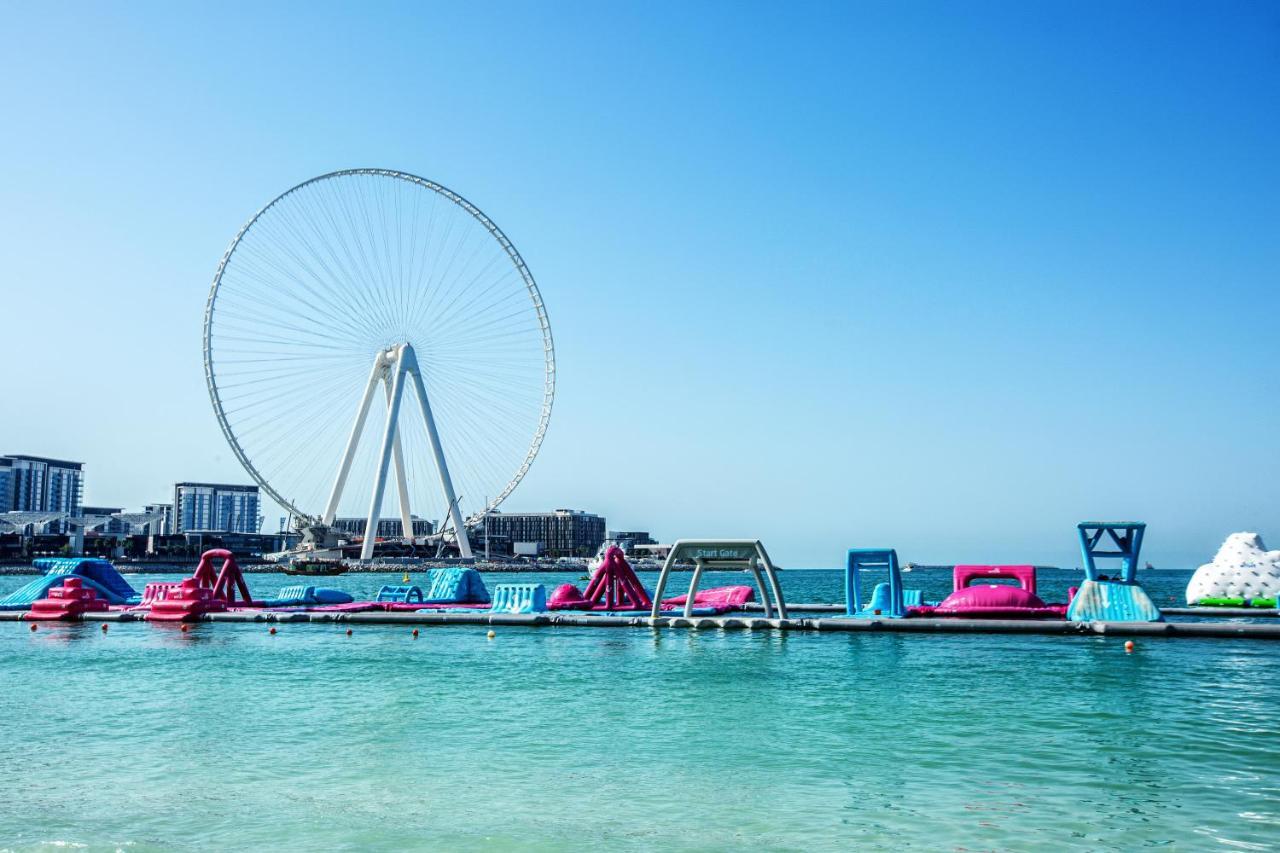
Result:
pixel 946 278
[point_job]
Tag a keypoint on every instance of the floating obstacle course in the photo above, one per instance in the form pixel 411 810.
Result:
pixel 224 597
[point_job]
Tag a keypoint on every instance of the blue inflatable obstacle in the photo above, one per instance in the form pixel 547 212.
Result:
pixel 442 586
pixel 455 586
pixel 399 594
pixel 1118 599
pixel 519 598
pixel 888 598
pixel 302 596
pixel 98 575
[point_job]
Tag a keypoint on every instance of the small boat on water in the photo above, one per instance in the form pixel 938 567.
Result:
pixel 315 568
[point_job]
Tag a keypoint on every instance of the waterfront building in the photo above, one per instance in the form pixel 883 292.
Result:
pixel 388 528
pixel 166 526
pixel 6 484
pixel 561 533
pixel 28 524
pixel 215 508
pixel 627 540
pixel 40 484
pixel 104 520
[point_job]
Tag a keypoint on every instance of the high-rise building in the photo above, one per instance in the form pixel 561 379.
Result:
pixel 215 508
pixel 562 533
pixel 6 484
pixel 39 484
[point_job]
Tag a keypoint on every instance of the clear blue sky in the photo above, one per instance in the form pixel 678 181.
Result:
pixel 946 277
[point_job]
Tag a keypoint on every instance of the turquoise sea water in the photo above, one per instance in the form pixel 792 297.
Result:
pixel 226 737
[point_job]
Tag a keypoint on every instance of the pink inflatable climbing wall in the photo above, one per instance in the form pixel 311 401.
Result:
pixel 614 586
pixel 203 592
pixel 616 583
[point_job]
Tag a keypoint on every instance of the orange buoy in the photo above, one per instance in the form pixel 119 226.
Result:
pixel 348 632
pixel 415 633
pixel 1128 646
pixel 185 627
pixel 104 626
pixel 33 626
pixel 272 631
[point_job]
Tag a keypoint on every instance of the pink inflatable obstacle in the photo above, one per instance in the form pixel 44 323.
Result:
pixel 203 592
pixel 992 601
pixel 184 602
pixel 723 598
pixel 614 586
pixel 68 601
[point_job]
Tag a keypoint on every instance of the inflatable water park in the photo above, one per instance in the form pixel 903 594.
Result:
pixel 1243 580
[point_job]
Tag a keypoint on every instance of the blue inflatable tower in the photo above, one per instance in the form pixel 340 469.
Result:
pixel 1115 599
pixel 886 598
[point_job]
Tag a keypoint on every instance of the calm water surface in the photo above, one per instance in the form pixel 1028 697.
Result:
pixel 148 738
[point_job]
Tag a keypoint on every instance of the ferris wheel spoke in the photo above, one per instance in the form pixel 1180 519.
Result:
pixel 299 446
pixel 373 204
pixel 369 251
pixel 265 306
pixel 438 279
pixel 245 323
pixel 319 297
pixel 306 229
pixel 294 393
pixel 459 305
pixel 346 236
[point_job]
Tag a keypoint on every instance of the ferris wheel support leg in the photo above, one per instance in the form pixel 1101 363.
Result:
pixel 402 484
pixel 446 482
pixel 384 460
pixel 344 468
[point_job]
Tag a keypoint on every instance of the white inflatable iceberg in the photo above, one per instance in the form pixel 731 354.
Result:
pixel 1242 568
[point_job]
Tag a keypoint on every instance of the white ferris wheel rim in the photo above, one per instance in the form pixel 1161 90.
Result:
pixel 517 260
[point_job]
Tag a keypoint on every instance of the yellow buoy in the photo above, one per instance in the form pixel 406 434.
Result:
pixel 492 635
pixel 405 579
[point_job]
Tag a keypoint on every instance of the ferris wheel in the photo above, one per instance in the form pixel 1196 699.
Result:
pixel 365 281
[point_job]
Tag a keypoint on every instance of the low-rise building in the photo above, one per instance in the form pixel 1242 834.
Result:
pixel 628 540
pixel 388 528
pixel 561 533
pixel 166 524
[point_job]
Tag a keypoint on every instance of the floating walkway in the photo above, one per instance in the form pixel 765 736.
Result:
pixel 1173 630
pixel 1211 612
